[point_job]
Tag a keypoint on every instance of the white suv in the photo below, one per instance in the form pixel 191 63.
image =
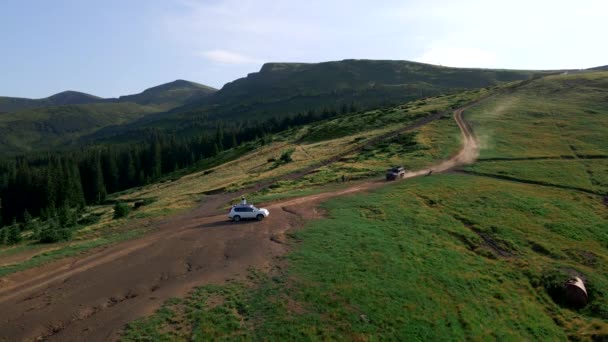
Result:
pixel 240 212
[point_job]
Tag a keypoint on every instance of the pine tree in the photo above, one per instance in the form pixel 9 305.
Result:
pixel 110 171
pixel 3 235
pixel 75 192
pixel 67 217
pixel 35 231
pixel 99 188
pixel 219 137
pixel 14 235
pixel 128 171
pixel 27 220
pixel 51 185
pixel 234 142
pixel 156 158
pixel 344 109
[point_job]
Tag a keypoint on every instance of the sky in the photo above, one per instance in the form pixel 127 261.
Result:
pixel 117 47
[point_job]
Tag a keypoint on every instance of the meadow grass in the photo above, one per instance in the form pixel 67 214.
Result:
pixel 408 262
pixel 447 257
pixel 553 130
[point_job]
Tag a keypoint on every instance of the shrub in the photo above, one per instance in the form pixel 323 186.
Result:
pixel 286 156
pixel 55 233
pixel 89 219
pixel 140 203
pixel 14 235
pixel 121 209
pixel 48 235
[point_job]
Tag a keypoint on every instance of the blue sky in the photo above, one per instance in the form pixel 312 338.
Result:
pixel 110 47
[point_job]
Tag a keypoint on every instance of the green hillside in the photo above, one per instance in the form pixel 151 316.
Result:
pixel 282 89
pixel 12 104
pixel 171 94
pixel 59 121
pixel 368 83
pixel 52 127
pixel 472 255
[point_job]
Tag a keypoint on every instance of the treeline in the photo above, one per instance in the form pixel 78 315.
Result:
pixel 62 182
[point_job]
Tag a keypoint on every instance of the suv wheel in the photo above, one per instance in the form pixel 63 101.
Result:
pixel 236 218
pixel 260 217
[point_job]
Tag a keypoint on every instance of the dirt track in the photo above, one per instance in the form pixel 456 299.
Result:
pixel 92 297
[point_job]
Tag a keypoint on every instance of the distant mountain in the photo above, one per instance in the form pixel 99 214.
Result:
pixel 600 68
pixel 44 128
pixel 366 82
pixel 11 104
pixel 177 92
pixel 61 119
pixel 168 95
pixel 70 97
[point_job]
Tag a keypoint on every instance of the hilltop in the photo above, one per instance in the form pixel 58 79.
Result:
pixel 286 89
pixel 69 97
pixel 174 93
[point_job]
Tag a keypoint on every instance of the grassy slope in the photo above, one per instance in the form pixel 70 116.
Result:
pixel 561 126
pixel 311 145
pixel 450 256
pixel 401 264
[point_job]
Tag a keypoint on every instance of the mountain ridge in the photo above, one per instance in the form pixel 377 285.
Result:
pixel 72 97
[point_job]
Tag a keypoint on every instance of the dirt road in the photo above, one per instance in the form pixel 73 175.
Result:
pixel 91 298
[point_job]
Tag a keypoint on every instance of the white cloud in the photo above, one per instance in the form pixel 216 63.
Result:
pixel 228 57
pixel 459 57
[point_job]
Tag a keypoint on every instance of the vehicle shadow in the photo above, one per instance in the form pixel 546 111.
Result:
pixel 226 223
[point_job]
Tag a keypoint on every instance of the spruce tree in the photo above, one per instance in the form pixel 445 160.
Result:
pixel 27 220
pixel 75 192
pixel 110 171
pixel 99 188
pixel 219 137
pixel 14 235
pixel 156 158
pixel 234 142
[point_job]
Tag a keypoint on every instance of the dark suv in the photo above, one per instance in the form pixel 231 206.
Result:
pixel 394 173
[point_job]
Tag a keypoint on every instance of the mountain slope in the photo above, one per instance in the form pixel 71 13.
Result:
pixel 279 89
pixel 61 119
pixel 178 92
pixel 11 104
pixel 47 128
